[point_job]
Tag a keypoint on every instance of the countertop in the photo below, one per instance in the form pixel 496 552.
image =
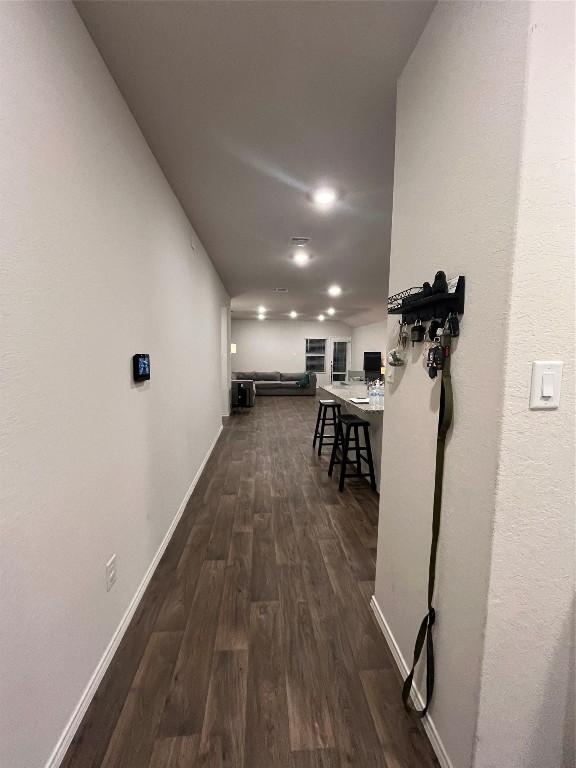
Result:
pixel 345 392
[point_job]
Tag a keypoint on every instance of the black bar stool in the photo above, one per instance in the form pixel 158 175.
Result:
pixel 345 442
pixel 322 421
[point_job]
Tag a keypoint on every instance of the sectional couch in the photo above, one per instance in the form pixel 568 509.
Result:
pixel 276 383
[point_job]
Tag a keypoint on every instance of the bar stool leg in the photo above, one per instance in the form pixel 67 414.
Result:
pixel 370 461
pixel 317 424
pixel 344 459
pixel 322 428
pixel 358 454
pixel 333 420
pixel 334 453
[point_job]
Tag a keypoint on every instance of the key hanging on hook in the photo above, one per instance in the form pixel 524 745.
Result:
pixel 396 356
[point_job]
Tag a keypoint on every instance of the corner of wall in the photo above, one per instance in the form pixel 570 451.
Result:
pixel 459 118
pixel 530 611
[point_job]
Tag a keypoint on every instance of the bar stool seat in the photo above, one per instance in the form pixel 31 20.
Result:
pixel 348 440
pixel 323 420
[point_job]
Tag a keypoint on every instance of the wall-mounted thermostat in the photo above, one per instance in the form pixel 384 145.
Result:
pixel 141 367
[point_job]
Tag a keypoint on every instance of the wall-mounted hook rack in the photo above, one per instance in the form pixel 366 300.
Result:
pixel 415 304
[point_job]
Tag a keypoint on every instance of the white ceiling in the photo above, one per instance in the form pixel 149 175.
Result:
pixel 247 107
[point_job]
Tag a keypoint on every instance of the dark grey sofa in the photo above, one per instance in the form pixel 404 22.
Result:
pixel 276 383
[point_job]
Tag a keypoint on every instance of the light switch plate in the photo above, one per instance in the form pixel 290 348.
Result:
pixel 545 385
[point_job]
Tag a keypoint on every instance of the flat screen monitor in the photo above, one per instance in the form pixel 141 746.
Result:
pixel 373 361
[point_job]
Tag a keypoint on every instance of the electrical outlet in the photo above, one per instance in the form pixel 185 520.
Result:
pixel 111 573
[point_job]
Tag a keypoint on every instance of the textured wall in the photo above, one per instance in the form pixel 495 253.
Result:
pixel 98 262
pixel 530 628
pixel 280 345
pixel 459 116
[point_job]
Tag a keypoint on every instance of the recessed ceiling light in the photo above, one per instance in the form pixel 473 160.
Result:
pixel 301 257
pixel 331 310
pixel 321 318
pixel 324 198
pixel 261 309
pixel 334 290
pixel 293 314
pixel 261 316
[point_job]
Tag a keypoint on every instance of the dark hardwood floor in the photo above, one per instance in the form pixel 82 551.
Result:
pixel 254 645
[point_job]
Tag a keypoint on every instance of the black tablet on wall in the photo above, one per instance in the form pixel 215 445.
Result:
pixel 141 367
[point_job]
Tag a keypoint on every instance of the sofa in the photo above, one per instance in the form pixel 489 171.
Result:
pixel 276 383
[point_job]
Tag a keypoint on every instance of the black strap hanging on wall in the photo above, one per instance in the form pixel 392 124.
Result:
pixel 425 631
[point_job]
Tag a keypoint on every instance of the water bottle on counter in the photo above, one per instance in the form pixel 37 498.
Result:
pixel 376 396
pixel 372 396
pixel 381 396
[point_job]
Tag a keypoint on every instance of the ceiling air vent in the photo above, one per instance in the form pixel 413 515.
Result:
pixel 279 290
pixel 301 241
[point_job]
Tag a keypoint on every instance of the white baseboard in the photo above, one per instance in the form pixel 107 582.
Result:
pixel 417 697
pixel 73 724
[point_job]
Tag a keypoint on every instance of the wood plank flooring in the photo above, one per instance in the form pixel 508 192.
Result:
pixel 254 645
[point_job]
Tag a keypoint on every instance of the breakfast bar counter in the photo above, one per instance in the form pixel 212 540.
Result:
pixel 344 393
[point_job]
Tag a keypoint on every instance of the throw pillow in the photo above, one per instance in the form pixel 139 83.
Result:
pixel 304 381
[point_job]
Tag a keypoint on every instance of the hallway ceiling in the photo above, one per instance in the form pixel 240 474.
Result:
pixel 248 106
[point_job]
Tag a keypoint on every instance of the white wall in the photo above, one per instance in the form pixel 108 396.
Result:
pixel 98 262
pixel 368 338
pixel 459 116
pixel 280 345
pixel 530 630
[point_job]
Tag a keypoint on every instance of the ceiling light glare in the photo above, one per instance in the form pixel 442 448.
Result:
pixel 301 257
pixel 261 309
pixel 321 318
pixel 331 310
pixel 261 316
pixel 293 314
pixel 334 290
pixel 324 198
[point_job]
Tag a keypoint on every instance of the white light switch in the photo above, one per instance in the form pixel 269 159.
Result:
pixel 545 386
